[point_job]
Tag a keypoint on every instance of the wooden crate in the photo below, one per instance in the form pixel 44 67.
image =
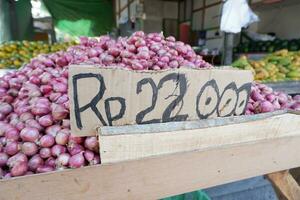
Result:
pixel 226 150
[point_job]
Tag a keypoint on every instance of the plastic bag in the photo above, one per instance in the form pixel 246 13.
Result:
pixel 260 37
pixel 235 15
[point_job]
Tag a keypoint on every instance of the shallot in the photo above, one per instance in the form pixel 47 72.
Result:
pixel 29 134
pixel 76 160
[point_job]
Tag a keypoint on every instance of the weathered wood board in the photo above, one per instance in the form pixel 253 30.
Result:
pixel 126 143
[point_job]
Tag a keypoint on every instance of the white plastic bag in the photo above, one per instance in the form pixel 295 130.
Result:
pixel 235 15
pixel 260 37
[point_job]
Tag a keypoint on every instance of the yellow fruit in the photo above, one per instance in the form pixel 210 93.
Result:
pixel 16 62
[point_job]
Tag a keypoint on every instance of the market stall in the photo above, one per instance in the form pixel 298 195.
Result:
pixel 116 113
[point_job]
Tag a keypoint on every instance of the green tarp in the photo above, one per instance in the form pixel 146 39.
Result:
pixel 78 17
pixel 24 21
pixel 197 195
pixel 15 20
pixel 5 33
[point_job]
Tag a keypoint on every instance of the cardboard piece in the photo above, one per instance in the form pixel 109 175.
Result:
pixel 114 96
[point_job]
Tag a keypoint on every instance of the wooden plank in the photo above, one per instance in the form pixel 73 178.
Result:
pixel 158 177
pixel 285 184
pixel 188 125
pixel 135 145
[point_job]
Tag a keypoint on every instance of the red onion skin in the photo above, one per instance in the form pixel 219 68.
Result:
pixel 33 124
pixel 282 98
pixel 3 127
pixel 35 162
pixel 296 106
pixel 62 160
pixel 6 98
pixel 64 98
pixel 276 104
pixel 20 126
pixel 250 107
pixel 74 139
pixel 40 109
pixel 75 148
pixel 270 97
pixel 297 98
pixel 35 80
pixel 3 141
pixel 53 130
pixel 46 89
pixel 92 144
pixel 14 122
pixel 47 141
pixel 25 116
pixel 7 176
pixel 3 159
pixel 59 112
pixel 29 173
pixel 46 120
pixel 19 157
pixel 29 134
pixel 44 169
pixel 66 123
pixel 50 162
pixel 12 134
pixel 285 106
pixel 45 77
pixel 2 117
pixel 19 169
pixel 5 108
pixel 57 149
pixel 12 148
pixel 45 152
pixel 54 96
pixel 89 155
pixel 76 161
pixel 266 106
pixel 96 160
pixel 66 131
pixel 60 87
pixel 62 138
pixel 256 96
pixel 29 148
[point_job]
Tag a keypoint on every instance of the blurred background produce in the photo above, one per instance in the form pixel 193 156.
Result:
pixel 281 65
pixel 14 54
pixel 267 46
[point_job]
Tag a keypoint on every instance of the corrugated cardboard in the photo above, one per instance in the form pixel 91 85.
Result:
pixel 114 96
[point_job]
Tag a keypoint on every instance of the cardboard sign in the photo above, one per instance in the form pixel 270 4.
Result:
pixel 114 96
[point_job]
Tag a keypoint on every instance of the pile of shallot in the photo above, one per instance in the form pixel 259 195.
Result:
pixel 263 99
pixel 35 134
